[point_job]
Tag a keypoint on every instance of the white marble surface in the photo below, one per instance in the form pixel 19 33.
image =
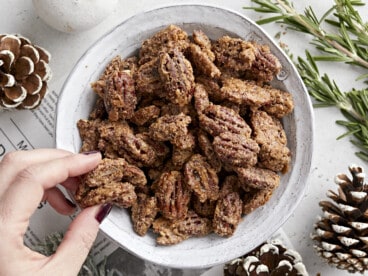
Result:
pixel 330 156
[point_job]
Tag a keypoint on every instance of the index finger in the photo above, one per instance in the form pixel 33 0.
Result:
pixel 22 197
pixel 16 161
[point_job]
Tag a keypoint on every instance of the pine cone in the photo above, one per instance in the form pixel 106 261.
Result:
pixel 24 73
pixel 270 258
pixel 341 235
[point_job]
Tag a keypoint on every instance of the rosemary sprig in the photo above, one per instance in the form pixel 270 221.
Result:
pixel 348 44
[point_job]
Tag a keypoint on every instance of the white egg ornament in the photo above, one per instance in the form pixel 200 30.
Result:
pixel 72 16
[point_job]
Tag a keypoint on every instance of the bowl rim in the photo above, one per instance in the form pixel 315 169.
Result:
pixel 108 224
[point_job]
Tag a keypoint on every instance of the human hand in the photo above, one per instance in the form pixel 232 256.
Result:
pixel 26 179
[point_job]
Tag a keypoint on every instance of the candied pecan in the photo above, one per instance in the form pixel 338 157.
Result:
pixel 281 102
pixel 212 87
pixel 270 135
pixel 204 209
pixel 166 234
pixel 147 77
pixel 176 73
pixel 119 96
pixel 174 232
pixel 172 195
pixel 144 211
pixel 234 53
pixel 245 92
pixel 117 64
pixel 229 185
pixel 217 119
pixel 202 63
pixel 171 128
pixel 201 178
pixel 258 178
pixel 193 225
pixel 265 66
pixel 98 111
pixel 180 156
pixel 136 149
pixel 112 181
pixel 202 40
pixel 163 41
pixel 119 193
pixel 88 131
pixel 255 198
pixel 205 145
pixel 160 149
pixel 145 115
pixel 236 149
pixel 227 214
pixel 201 101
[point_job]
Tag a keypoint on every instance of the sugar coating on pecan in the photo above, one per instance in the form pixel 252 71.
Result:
pixel 173 232
pixel 227 214
pixel 245 92
pixel 271 137
pixel 201 100
pixel 255 198
pixel 172 195
pixel 145 115
pixel 257 178
pixel 144 212
pixel 207 150
pixel 229 185
pixel 170 128
pixel 202 62
pixel 265 66
pixel 281 103
pixel 88 131
pixel 176 73
pixel 148 80
pixel 234 53
pixel 236 149
pixel 201 178
pixel 217 119
pixel 203 41
pixel 204 209
pixel 163 41
pixel 119 96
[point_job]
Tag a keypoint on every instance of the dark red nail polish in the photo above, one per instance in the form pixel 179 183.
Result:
pixel 90 152
pixel 104 211
pixel 70 203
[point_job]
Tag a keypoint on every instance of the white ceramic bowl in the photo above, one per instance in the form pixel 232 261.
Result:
pixel 77 99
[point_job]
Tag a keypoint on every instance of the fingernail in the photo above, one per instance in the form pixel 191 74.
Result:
pixel 70 203
pixel 104 211
pixel 90 152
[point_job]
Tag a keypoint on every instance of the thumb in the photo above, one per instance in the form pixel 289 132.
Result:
pixel 78 240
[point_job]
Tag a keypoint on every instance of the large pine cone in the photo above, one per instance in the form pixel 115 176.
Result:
pixel 24 73
pixel 341 235
pixel 270 258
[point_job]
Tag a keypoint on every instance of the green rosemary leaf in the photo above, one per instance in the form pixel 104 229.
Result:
pixel 270 19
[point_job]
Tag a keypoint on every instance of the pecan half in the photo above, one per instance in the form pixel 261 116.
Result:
pixel 119 96
pixel 144 211
pixel 145 115
pixel 255 198
pixel 269 133
pixel 176 73
pixel 201 178
pixel 166 234
pixel 88 131
pixel 171 128
pixel 207 150
pixel 234 53
pixel 172 195
pixel 217 119
pixel 203 41
pixel 281 103
pixel 257 178
pixel 202 62
pixel 227 214
pixel 147 77
pixel 236 149
pixel 201 101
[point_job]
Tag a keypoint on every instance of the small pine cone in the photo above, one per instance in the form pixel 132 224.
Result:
pixel 24 73
pixel 341 235
pixel 270 258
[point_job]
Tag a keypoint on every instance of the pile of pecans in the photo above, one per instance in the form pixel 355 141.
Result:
pixel 190 132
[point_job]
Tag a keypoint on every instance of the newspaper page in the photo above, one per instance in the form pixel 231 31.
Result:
pixel 31 129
